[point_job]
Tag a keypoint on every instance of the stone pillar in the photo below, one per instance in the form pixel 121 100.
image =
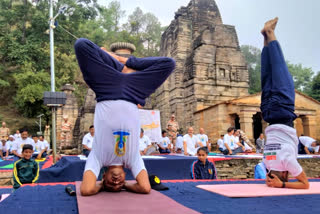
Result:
pixel 70 109
pixel 246 123
pixel 309 126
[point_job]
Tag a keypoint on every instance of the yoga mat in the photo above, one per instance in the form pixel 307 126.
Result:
pixel 9 166
pixel 127 202
pixel 4 196
pixel 258 190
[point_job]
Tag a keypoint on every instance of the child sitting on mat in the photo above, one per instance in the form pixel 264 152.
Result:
pixel 25 170
pixel 202 168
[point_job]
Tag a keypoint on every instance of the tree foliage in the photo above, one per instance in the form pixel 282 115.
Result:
pixel 315 87
pixel 24 45
pixel 302 76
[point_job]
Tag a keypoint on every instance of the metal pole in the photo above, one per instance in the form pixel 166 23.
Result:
pixel 40 124
pixel 51 25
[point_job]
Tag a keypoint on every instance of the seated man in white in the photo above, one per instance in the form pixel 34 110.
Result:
pixel 203 138
pixel 164 144
pixel 190 142
pixel 17 149
pixel 46 144
pixel 38 148
pixel 145 145
pixel 10 144
pixel 179 144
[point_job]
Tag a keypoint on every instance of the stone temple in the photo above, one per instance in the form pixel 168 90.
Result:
pixel 209 87
pixel 210 67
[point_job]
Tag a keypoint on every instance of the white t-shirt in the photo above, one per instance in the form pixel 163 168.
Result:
pixel 203 138
pixel 21 142
pixel 307 141
pixel 16 136
pixel 281 149
pixel 221 144
pixel 88 140
pixel 2 147
pixel 10 145
pixel 165 142
pixel 46 144
pixel 116 138
pixel 179 143
pixel 230 141
pixel 144 142
pixel 38 147
pixel 191 143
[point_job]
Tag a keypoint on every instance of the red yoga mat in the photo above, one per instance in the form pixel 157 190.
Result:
pixel 258 190
pixel 126 202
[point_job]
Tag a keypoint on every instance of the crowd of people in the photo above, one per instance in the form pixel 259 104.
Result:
pixel 12 145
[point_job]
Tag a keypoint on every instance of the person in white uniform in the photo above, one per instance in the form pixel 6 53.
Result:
pixel 87 141
pixel 120 85
pixel 17 149
pixel 190 143
pixel 203 138
pixel 308 145
pixel 277 107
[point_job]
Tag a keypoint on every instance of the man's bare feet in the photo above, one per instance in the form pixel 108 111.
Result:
pixel 268 30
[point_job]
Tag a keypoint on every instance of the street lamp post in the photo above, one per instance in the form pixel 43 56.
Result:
pixel 51 27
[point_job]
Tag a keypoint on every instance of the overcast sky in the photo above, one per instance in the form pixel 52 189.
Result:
pixel 298 28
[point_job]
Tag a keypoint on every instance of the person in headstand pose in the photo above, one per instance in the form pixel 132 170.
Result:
pixel 120 84
pixel 277 106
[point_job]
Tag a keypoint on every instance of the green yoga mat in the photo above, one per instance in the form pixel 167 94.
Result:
pixel 9 166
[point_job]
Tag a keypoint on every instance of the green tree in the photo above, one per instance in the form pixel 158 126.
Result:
pixel 301 76
pixel 315 87
pixel 253 59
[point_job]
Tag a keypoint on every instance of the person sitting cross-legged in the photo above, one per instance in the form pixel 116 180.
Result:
pixel 164 144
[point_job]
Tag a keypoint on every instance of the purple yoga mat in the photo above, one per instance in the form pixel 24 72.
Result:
pixel 126 202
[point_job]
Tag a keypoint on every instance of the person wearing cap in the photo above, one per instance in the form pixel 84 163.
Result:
pixel 156 184
pixel 10 144
pixel 25 170
pixel 120 85
pixel 17 148
pixel 277 107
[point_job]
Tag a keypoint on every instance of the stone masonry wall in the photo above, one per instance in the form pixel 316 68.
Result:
pixel 210 67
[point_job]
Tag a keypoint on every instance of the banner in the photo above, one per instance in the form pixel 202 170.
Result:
pixel 150 123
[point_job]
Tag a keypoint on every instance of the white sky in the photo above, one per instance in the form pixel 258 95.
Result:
pixel 298 28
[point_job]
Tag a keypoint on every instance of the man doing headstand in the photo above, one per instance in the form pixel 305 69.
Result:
pixel 277 106
pixel 120 84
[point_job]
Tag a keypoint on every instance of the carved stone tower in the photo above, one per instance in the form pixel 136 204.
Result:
pixel 210 67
